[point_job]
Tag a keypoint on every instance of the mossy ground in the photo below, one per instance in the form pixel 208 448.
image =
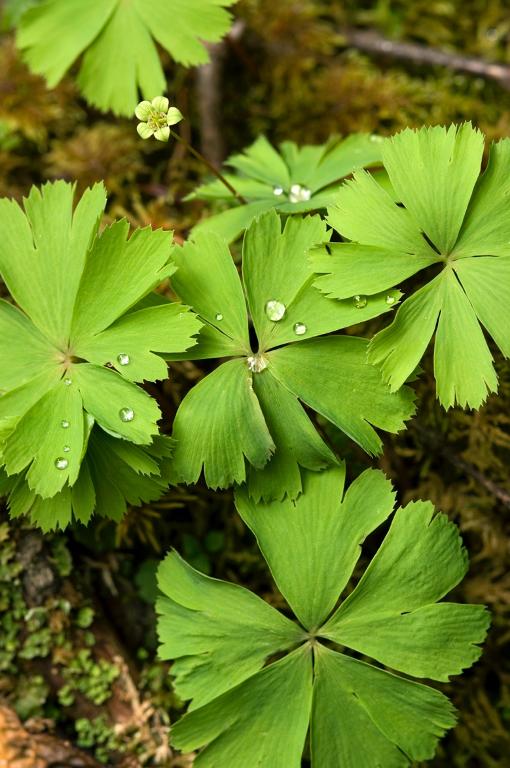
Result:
pixel 77 626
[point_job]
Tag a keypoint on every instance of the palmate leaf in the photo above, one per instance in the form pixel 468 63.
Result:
pixel 451 218
pixel 246 421
pixel 78 340
pixel 118 40
pixel 113 474
pixel 360 715
pixel 291 180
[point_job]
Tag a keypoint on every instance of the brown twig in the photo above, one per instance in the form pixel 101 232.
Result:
pixel 464 466
pixel 209 97
pixel 373 43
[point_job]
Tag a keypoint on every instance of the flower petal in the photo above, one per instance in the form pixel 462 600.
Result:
pixel 162 134
pixel 143 110
pixel 144 130
pixel 161 103
pixel 174 116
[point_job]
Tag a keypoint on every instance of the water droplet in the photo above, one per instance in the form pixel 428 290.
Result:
pixel 219 316
pixel 300 329
pixel 66 449
pixel 390 299
pixel 359 301
pixel 61 463
pixel 126 414
pixel 123 359
pixel 68 382
pixel 278 191
pixel 275 310
pixel 64 424
pixel 376 139
pixel 256 363
pixel 299 194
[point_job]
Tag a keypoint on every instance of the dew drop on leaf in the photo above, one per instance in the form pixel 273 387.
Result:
pixel 275 310
pixel 126 414
pixel 278 191
pixel 390 299
pixel 66 449
pixel 64 424
pixel 68 382
pixel 256 363
pixel 219 316
pixel 123 359
pixel 61 463
pixel 359 301
pixel 300 329
pixel 299 194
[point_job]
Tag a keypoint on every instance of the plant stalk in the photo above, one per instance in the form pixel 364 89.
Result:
pixel 209 165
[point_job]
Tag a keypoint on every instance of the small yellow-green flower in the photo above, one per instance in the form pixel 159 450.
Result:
pixel 157 116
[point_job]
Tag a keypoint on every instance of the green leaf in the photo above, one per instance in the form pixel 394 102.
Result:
pixel 486 281
pixel 116 404
pixel 119 61
pixel 219 633
pixel 351 269
pixel 358 150
pixel 311 577
pixel 262 162
pixel 486 228
pixel 463 221
pixel 219 424
pixel 239 726
pixel 361 715
pixel 398 349
pixel 110 478
pixel 433 172
pixel 50 245
pixel 365 717
pixel 24 346
pixel 266 177
pixel 276 267
pixel 182 26
pixel 57 20
pixel 40 441
pixel 298 444
pixel 420 561
pixel 118 43
pixel 230 223
pixel 460 349
pixel 316 371
pixel 208 281
pixel 85 306
pixel 365 212
pixel 129 344
pixel 136 265
pixel 16 402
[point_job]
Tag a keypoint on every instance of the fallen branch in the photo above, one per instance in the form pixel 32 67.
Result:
pixel 373 43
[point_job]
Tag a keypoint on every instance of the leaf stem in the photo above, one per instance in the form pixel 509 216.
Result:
pixel 209 165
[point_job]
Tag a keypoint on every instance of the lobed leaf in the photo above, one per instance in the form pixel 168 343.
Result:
pixel 311 577
pixel 391 615
pixel 219 424
pixel 118 42
pixel 243 727
pixel 219 633
pixel 316 371
pixel 385 720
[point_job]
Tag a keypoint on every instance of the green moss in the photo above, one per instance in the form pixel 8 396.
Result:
pixel 93 679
